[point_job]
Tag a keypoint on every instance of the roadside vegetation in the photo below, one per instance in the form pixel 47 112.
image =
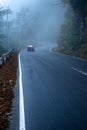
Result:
pixel 8 75
pixel 2 36
pixel 8 70
pixel 5 25
pixel 73 36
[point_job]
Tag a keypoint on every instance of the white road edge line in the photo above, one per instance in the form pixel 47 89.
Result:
pixel 79 71
pixel 21 101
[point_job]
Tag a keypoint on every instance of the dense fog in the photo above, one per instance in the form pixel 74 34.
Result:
pixel 35 21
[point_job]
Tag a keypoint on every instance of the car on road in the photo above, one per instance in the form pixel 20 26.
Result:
pixel 30 48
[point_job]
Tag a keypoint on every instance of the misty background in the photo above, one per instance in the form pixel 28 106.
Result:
pixel 34 22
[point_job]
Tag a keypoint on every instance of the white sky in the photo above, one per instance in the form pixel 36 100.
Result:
pixel 16 4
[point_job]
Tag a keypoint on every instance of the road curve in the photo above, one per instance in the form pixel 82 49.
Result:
pixel 55 91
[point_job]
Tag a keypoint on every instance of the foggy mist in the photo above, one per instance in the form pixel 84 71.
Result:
pixel 42 21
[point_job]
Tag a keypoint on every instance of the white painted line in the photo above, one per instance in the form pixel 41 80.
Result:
pixel 84 73
pixel 21 101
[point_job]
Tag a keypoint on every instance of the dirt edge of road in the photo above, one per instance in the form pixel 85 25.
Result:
pixel 8 76
pixel 80 53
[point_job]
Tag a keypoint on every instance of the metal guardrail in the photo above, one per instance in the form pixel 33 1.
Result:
pixel 5 57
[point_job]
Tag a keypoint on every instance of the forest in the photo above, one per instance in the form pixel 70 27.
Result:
pixel 73 39
pixel 73 35
pixel 3 29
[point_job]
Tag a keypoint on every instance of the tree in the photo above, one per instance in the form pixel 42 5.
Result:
pixel 3 25
pixel 22 27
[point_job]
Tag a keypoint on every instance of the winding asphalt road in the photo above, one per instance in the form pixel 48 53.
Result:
pixel 54 91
